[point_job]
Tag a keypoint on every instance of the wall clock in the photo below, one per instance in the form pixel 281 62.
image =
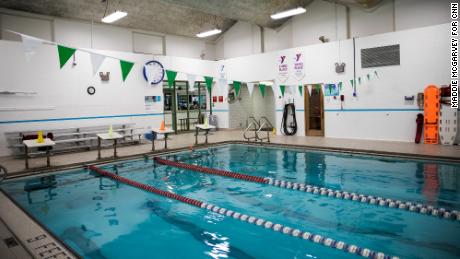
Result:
pixel 154 72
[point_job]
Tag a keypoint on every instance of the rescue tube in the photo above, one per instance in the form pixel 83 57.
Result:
pixel 431 108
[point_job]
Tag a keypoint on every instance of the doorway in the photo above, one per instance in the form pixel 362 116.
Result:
pixel 314 110
pixel 183 105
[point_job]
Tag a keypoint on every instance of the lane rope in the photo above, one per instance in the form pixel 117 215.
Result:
pixel 420 208
pixel 286 230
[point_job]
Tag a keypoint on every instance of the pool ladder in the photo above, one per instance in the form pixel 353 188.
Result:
pixel 258 126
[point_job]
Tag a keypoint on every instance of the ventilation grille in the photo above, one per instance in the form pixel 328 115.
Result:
pixel 380 56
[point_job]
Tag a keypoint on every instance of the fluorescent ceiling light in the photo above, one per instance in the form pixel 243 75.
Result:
pixel 288 13
pixel 208 33
pixel 114 17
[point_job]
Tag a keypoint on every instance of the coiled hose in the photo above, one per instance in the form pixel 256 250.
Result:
pixel 289 127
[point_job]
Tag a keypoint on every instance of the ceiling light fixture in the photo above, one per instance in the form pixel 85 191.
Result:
pixel 208 33
pixel 288 13
pixel 114 17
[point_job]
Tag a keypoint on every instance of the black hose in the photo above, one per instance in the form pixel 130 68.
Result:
pixel 289 129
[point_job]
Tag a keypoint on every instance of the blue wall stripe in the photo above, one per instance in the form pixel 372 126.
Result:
pixel 83 118
pixel 375 110
pixel 361 110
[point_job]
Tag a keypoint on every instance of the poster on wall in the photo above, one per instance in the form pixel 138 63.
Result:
pixel 331 90
pixel 282 69
pixel 298 65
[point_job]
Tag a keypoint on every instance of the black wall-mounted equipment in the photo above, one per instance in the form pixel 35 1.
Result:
pixel 289 122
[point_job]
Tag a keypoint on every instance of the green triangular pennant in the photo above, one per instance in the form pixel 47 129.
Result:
pixel 282 89
pixel 376 75
pixel 262 89
pixel 352 82
pixel 126 67
pixel 300 90
pixel 171 77
pixel 340 86
pixel 64 54
pixel 368 77
pixel 330 89
pixel 237 86
pixel 359 80
pixel 208 80
pixel 318 88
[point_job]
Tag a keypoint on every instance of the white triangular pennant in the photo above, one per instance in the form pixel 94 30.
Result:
pixel 250 88
pixel 191 82
pixel 96 61
pixel 309 89
pixel 30 45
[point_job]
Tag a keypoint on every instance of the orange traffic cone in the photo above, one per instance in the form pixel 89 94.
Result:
pixel 162 125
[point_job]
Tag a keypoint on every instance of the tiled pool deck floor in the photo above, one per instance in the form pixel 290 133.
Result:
pixel 15 165
pixel 13 220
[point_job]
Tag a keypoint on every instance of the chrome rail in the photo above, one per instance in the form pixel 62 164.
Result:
pixel 245 132
pixel 259 130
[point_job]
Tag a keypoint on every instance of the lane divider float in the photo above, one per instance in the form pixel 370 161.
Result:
pixel 318 239
pixel 368 199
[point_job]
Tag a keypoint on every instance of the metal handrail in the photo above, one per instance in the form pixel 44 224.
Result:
pixel 258 131
pixel 257 123
pixel 266 120
pixel 252 124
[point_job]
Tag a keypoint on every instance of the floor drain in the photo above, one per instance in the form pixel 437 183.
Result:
pixel 10 242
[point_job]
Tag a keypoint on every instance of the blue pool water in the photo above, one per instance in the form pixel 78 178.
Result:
pixel 100 218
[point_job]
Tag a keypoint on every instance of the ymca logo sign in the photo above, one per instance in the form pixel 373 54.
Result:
pixel 299 71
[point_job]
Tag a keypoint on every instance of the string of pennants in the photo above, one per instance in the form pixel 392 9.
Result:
pixel 31 44
pixel 331 89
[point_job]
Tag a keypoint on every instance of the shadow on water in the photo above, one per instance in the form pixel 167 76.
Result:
pixel 198 233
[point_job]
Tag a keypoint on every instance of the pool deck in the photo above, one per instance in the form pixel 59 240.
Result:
pixel 16 166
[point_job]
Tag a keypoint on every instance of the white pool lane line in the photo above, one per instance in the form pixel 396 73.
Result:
pixel 318 239
pixel 420 208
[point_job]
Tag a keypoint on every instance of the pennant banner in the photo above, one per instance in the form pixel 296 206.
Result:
pixel 300 90
pixel 262 89
pixel 282 89
pixel 250 88
pixel 352 82
pixel 309 89
pixel 64 54
pixel 237 86
pixel 96 61
pixel 191 82
pixel 208 80
pixel 126 67
pixel 171 77
pixel 30 45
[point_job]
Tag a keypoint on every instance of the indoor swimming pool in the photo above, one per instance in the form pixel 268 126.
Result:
pixel 100 217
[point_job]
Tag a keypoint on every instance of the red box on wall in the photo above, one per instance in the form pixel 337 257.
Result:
pixel 214 99
pixel 221 99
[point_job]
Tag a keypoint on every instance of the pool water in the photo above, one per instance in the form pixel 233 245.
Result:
pixel 101 218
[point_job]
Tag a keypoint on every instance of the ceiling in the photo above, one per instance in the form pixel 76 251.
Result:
pixel 176 17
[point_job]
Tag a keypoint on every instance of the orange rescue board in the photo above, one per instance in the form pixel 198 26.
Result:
pixel 432 97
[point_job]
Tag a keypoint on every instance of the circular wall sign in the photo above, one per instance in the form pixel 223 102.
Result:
pixel 91 90
pixel 154 72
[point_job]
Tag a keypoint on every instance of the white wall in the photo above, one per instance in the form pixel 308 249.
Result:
pixel 332 21
pixel 101 36
pixel 242 39
pixel 61 93
pixel 379 111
